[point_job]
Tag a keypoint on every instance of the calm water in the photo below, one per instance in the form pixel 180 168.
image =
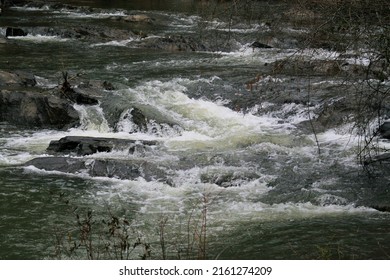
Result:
pixel 254 175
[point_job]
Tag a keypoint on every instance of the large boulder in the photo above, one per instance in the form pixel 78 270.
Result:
pixel 84 145
pixel 36 109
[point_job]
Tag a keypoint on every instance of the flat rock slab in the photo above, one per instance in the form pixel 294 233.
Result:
pixel 111 168
pixel 81 145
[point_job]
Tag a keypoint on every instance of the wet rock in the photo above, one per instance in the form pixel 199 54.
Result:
pixel 81 145
pixel 137 117
pixel 86 32
pixel 7 3
pixel 381 208
pixel 111 168
pixel 384 130
pixel 97 33
pixel 300 66
pixel 227 178
pixel 17 78
pixel 114 169
pixel 78 96
pixel 377 159
pixel 318 67
pixel 329 115
pixel 36 109
pixel 62 164
pixel 108 86
pixel 137 18
pixel 259 45
pixel 8 78
pixel 14 32
pixel 172 43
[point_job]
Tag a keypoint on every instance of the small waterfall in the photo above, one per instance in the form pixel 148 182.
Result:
pixel 2 31
pixel 92 118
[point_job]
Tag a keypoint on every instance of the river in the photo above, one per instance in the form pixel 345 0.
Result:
pixel 240 184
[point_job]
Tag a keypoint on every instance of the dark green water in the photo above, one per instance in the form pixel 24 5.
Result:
pixel 268 194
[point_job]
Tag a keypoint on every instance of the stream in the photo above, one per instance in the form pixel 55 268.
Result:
pixel 231 181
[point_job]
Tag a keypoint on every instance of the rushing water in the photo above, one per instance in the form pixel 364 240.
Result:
pixel 267 193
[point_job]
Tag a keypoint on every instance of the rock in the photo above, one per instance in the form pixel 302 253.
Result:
pixel 8 78
pixel 81 145
pixel 17 78
pixel 79 96
pixel 7 3
pixel 137 18
pixel 63 164
pixel 381 158
pixel 300 66
pixel 172 43
pixel 384 130
pixel 318 67
pixel 108 86
pixel 137 117
pixel 381 208
pixel 14 32
pixel 26 78
pixel 259 45
pixel 115 169
pixel 36 109
pixel 87 32
pixel 111 168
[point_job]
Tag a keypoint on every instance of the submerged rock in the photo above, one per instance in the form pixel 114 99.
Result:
pixel 111 168
pixel 82 145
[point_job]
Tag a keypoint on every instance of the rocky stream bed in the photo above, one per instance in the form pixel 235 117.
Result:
pixel 147 111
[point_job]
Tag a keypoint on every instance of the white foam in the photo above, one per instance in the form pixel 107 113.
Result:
pixel 9 158
pixel 31 9
pixel 38 38
pixel 115 43
pixel 205 123
pixel 92 118
pixel 80 14
pixel 45 83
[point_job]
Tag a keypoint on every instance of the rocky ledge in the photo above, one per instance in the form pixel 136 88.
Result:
pixel 82 145
pixel 63 150
pixel 24 103
pixel 111 168
pixel 34 108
